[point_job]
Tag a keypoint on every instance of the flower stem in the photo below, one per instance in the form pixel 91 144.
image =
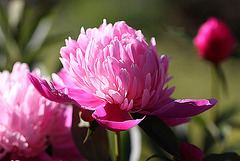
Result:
pixel 118 146
pixel 215 93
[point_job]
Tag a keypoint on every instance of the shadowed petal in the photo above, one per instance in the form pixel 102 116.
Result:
pixel 175 121
pixel 112 118
pixel 65 94
pixel 66 151
pixel 41 157
pixel 185 108
pixel 190 152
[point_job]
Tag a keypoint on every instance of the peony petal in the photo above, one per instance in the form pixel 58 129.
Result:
pixel 175 121
pixel 114 119
pixel 190 152
pixel 62 80
pixel 86 100
pixel 50 93
pixel 41 157
pixel 185 108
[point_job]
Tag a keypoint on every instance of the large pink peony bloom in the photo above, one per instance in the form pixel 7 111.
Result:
pixel 214 41
pixel 113 72
pixel 30 124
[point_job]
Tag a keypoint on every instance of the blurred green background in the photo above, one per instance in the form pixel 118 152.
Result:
pixel 173 23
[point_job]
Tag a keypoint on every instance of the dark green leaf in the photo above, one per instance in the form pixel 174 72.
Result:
pixel 227 115
pixel 229 156
pixel 161 134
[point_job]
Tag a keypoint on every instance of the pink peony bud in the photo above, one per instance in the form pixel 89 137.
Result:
pixel 214 41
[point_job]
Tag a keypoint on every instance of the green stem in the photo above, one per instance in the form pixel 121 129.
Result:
pixel 215 93
pixel 118 146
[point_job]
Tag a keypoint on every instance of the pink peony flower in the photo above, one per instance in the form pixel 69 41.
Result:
pixel 30 124
pixel 113 72
pixel 214 41
pixel 190 152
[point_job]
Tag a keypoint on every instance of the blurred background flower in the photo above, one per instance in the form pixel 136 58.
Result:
pixel 32 127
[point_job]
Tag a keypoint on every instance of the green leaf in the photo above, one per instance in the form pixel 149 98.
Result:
pixel 229 156
pixel 160 133
pixel 227 115
pixel 212 133
pixel 96 147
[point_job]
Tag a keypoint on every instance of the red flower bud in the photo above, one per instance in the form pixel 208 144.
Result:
pixel 214 41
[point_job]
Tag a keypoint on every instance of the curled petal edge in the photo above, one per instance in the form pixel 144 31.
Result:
pixel 185 108
pixel 117 120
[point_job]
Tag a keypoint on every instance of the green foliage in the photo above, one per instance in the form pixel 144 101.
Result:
pixel 97 146
pixel 230 156
pixel 160 133
pixel 24 30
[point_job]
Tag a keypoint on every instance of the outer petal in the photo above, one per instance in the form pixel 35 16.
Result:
pixel 175 121
pixel 114 119
pixel 50 93
pixel 185 108
pixel 65 91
